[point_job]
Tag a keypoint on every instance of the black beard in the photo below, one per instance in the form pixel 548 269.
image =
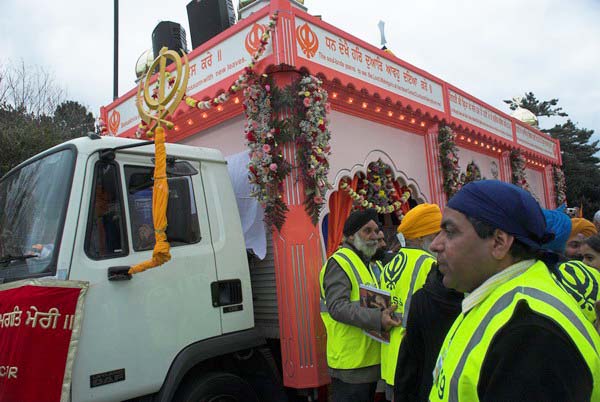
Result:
pixel 379 254
pixel 578 257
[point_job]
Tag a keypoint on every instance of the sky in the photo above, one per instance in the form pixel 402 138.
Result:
pixel 493 50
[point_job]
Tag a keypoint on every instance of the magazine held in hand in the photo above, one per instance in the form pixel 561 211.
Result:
pixel 372 297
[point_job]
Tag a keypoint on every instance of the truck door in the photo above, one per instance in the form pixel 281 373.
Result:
pixel 132 330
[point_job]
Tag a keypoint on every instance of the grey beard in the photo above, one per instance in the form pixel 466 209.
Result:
pixel 364 247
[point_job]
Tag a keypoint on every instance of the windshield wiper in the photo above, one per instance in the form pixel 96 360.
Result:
pixel 6 259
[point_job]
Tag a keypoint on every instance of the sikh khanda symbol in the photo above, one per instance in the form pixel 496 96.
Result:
pixel 113 122
pixel 579 283
pixel 163 99
pixel 394 270
pixel 308 40
pixel 253 38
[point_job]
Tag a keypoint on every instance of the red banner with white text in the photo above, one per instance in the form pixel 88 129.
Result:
pixel 39 329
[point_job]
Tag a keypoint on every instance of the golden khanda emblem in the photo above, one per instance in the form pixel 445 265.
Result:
pixel 164 98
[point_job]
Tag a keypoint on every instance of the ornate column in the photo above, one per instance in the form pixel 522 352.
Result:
pixel 549 190
pixel 434 171
pixel 505 171
pixel 298 261
pixel 284 37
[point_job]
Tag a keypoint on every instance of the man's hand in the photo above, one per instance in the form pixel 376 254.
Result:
pixel 387 318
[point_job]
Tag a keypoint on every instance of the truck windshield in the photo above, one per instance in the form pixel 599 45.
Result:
pixel 33 200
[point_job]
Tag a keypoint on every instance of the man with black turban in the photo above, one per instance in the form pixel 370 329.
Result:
pixel 519 336
pixel 352 356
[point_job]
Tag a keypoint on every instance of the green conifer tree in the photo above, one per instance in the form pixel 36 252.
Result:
pixel 580 165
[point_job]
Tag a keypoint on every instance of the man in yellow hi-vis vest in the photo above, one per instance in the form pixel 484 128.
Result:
pixel 377 263
pixel 405 274
pixel 580 281
pixel 353 357
pixel 519 336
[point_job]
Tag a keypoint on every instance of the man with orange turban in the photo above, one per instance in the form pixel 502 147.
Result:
pixel 405 274
pixel 581 229
pixel 420 225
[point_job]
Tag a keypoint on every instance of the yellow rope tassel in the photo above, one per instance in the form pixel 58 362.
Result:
pixel 160 199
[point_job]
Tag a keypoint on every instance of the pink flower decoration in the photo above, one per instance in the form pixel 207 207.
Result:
pixel 266 148
pixel 273 167
pixel 307 102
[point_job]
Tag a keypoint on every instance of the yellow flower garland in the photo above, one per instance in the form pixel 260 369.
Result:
pixel 368 204
pixel 242 80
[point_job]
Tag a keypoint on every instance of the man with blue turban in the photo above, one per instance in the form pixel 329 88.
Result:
pixel 519 335
pixel 576 278
pixel 559 223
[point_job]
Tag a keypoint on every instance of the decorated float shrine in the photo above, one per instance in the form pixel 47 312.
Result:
pixel 330 123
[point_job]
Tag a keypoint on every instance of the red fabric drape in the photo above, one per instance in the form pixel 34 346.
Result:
pixel 340 205
pixel 53 332
pixel 401 190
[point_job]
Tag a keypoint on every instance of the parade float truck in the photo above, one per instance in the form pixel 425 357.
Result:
pixel 276 129
pixel 75 323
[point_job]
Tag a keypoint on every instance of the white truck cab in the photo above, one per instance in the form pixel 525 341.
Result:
pixel 183 331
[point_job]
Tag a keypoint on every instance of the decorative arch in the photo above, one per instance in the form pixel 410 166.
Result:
pixel 373 156
pixel 340 199
pixel 472 173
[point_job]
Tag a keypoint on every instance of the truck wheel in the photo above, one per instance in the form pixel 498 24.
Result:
pixel 218 387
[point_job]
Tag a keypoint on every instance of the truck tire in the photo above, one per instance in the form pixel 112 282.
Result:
pixel 218 387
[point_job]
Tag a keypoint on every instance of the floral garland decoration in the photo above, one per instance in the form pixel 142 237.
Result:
pixel 517 166
pixel 101 127
pixel 472 173
pixel 244 78
pixel 240 83
pixel 387 201
pixel 449 161
pixel 312 142
pixel 559 185
pixel 267 168
pixel 141 130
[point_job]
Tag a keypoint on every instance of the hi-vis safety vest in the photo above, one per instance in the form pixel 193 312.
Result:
pixel 581 282
pixel 377 270
pixel 402 277
pixel 347 346
pixel 456 373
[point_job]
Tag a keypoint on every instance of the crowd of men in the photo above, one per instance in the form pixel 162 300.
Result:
pixel 496 299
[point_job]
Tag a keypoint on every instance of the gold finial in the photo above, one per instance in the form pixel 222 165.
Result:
pixel 165 100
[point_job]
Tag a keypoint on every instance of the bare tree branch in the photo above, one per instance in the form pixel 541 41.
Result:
pixel 3 88
pixel 32 89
